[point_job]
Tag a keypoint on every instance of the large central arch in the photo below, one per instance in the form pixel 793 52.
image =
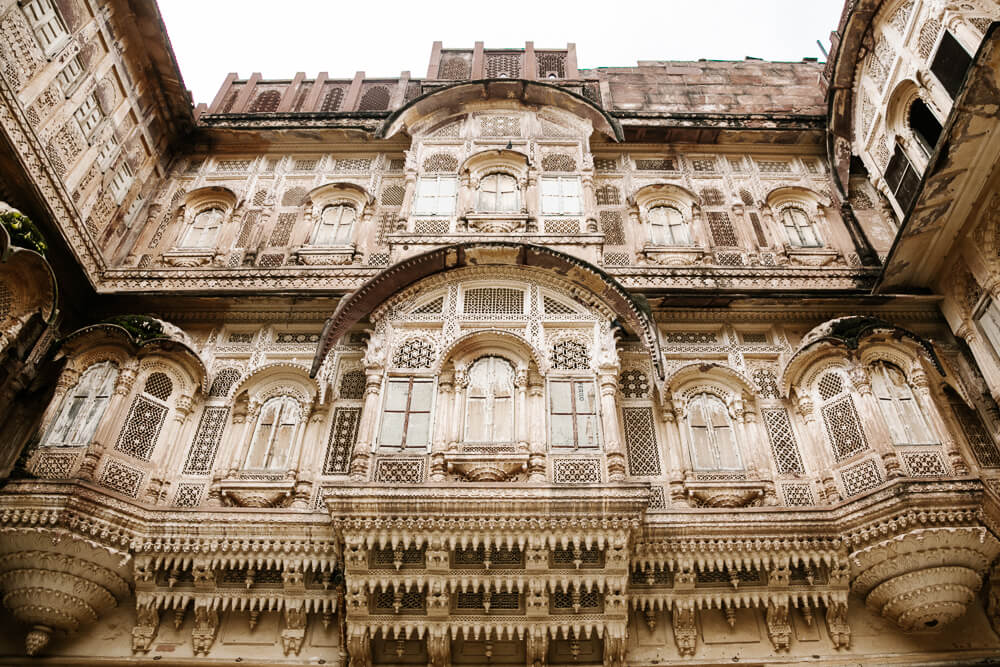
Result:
pixel 632 314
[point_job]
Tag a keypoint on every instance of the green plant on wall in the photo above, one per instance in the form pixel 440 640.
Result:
pixel 23 232
pixel 140 327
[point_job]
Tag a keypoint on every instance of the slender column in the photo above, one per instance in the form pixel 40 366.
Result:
pixel 439 444
pixel 815 445
pixel 873 423
pixel 402 224
pixel 589 198
pixel 179 447
pixel 521 405
pixel 676 452
pixel 938 423
pixel 982 352
pixel 366 429
pixel 608 380
pixel 461 384
pixel 535 415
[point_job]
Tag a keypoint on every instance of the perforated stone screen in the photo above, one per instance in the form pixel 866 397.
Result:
pixel 343 435
pixel 640 439
pixel 493 301
pixel 142 428
pixel 159 386
pixel 843 428
pixel 783 445
pixel 206 441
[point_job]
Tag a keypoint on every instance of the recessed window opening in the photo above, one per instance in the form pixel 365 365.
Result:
pixel 925 126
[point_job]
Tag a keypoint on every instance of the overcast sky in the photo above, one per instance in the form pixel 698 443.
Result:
pixel 281 37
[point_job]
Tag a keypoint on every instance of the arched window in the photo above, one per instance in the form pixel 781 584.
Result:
pixel 925 125
pixel 667 226
pixel 335 226
pixel 498 193
pixel 899 406
pixel 204 229
pixel 489 403
pixel 799 228
pixel 83 407
pixel 713 443
pixel 273 435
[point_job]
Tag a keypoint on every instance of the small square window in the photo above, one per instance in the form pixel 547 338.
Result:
pixel 70 74
pixel 46 24
pixel 88 115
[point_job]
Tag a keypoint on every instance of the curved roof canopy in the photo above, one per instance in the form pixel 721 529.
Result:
pixel 532 93
pixel 632 314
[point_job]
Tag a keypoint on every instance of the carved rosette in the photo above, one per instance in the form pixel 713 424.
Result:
pixel 924 579
pixel 57 592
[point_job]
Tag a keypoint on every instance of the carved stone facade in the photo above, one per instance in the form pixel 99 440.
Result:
pixel 517 363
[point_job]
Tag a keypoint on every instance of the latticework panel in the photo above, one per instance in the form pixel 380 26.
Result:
pixel 432 307
pixel 551 65
pixel 445 162
pixel 332 100
pixel 494 301
pixel 352 385
pixel 295 196
pixel 206 441
pixel 617 259
pixel 158 385
pixel 392 195
pixel 830 385
pixel 640 439
pixel 570 355
pixel 613 228
pixel 657 498
pixel 433 226
pixel 634 383
pixel 54 464
pixel 121 478
pixel 560 226
pixel 712 197
pixel 558 162
pixel 721 226
pixel 861 477
pixel 798 494
pixel 413 353
pixel 343 435
pixel 553 307
pixel 983 446
pixel 659 164
pixel 843 427
pixel 500 126
pixel 188 495
pixel 779 431
pixel 375 98
pixel 576 471
pixel 142 428
pixel 283 229
pixel 924 464
pixel 454 67
pixel 608 195
pixel 503 65
pixel 765 379
pixel 224 381
pixel 399 471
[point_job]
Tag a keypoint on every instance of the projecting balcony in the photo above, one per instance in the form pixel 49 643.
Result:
pixel 488 462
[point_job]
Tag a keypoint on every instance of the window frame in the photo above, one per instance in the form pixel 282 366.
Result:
pixel 907 178
pixel 878 370
pixel 573 381
pixel 987 320
pixel 88 115
pixel 285 400
pixel 122 182
pixel 66 83
pixel 337 226
pixel 39 21
pixel 561 195
pixel 787 215
pixel 436 211
pixel 497 206
pixel 710 430
pixel 411 381
pixel 79 419
pixel 192 226
pixel 667 230
pixel 490 401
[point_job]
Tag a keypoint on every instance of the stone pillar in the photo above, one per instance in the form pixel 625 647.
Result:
pixel 461 384
pixel 676 452
pixel 984 355
pixel 937 421
pixel 607 378
pixel 442 424
pixel 873 423
pixel 366 429
pixel 520 408
pixel 815 445
pixel 535 416
pixel 589 199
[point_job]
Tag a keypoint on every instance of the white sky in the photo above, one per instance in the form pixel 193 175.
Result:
pixel 281 37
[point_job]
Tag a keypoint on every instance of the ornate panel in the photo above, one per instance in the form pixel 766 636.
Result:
pixel 798 494
pixel 779 430
pixel 861 477
pixel 924 464
pixel 982 444
pixel 843 427
pixel 640 439
pixel 55 464
pixel 399 470
pixel 188 495
pixel 142 428
pixel 657 498
pixel 206 441
pixel 576 471
pixel 122 478
pixel 343 435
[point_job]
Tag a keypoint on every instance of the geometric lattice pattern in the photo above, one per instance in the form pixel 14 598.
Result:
pixel 570 355
pixel 843 427
pixel 121 478
pixel 206 441
pixel 861 477
pixel 399 471
pixel 413 353
pixel 224 381
pixel 634 383
pixel 500 126
pixel 558 162
pixel 830 385
pixel 611 225
pixel 343 434
pixel 640 440
pixel 562 227
pixel 188 495
pixel 493 301
pixel 779 430
pixel 657 499
pixel 352 385
pixel 142 428
pixel 981 442
pixel 159 386
pixel 797 495
pixel 723 233
pixel 440 162
pixel 766 381
pixel 576 471
pixel 503 65
pixel 608 195
pixel 55 465
pixel 924 464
